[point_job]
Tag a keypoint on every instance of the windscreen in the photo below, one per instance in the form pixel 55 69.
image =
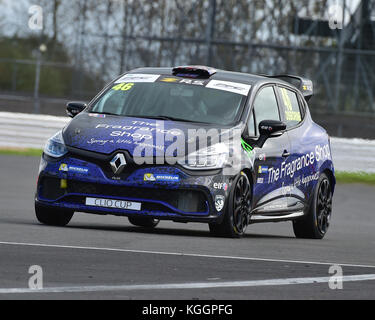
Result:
pixel 192 103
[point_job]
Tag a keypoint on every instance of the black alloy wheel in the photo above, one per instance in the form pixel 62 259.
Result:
pixel 324 206
pixel 237 212
pixel 242 204
pixel 317 219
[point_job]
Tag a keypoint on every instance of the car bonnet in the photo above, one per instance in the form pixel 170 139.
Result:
pixel 107 134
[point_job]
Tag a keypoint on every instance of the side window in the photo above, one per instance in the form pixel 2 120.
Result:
pixel 251 126
pixel 290 107
pixel 265 106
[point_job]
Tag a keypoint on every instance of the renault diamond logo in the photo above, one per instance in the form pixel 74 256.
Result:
pixel 118 163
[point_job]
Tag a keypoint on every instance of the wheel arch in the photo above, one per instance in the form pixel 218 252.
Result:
pixel 331 178
pixel 250 176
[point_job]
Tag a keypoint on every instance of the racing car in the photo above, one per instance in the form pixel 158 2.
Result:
pixel 192 144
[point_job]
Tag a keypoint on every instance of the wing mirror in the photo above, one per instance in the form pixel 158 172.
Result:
pixel 75 108
pixel 269 129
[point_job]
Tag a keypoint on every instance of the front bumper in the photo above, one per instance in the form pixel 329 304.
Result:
pixel 67 183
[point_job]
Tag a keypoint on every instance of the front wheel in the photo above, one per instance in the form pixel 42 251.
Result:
pixel 237 211
pixel 53 217
pixel 317 220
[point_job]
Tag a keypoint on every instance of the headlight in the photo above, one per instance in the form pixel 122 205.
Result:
pixel 214 157
pixel 55 146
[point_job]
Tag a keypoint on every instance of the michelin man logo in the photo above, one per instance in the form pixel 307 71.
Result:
pixel 149 177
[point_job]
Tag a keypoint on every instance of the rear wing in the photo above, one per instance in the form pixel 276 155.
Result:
pixel 304 85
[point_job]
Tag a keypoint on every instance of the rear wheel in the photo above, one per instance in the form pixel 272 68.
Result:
pixel 238 209
pixel 317 220
pixel 145 222
pixel 53 217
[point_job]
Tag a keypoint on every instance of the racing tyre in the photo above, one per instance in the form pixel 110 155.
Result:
pixel 237 211
pixel 145 222
pixel 53 217
pixel 315 224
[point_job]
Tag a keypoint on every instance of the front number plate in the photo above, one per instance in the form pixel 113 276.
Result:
pixel 114 204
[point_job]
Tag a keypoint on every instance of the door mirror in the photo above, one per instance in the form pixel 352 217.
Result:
pixel 75 108
pixel 268 129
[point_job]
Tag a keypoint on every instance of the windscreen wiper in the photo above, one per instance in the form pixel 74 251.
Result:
pixel 165 118
pixel 106 113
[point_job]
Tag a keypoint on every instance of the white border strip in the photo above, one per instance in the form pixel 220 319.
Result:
pixel 181 254
pixel 192 285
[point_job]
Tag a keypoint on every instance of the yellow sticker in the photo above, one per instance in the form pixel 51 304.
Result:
pixel 123 87
pixel 149 177
pixel 63 167
pixel 63 184
pixel 293 116
pixel 169 80
pixel 286 99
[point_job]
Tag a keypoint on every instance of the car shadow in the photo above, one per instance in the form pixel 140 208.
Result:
pixel 161 231
pixel 170 232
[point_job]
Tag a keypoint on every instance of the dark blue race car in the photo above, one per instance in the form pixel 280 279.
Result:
pixel 192 144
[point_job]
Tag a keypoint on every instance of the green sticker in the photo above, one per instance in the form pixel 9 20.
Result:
pixel 248 148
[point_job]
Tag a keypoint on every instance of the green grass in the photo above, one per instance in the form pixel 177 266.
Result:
pixel 21 152
pixel 355 177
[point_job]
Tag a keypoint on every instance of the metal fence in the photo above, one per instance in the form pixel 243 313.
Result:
pixel 266 37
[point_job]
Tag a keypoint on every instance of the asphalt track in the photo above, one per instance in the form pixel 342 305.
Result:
pixel 98 257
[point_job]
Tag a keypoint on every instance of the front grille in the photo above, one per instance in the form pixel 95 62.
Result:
pixel 194 201
pixel 184 200
pixel 104 163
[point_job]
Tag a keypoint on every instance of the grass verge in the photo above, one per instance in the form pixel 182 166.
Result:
pixel 355 177
pixel 21 152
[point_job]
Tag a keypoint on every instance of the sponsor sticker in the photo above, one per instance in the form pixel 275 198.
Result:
pixel 307 88
pixel 149 177
pixel 65 168
pixel 262 170
pixel 115 204
pixel 193 82
pixel 183 81
pixel 260 180
pixel 161 177
pixel 221 186
pixel 229 86
pixel 170 80
pixel 262 157
pixel 219 203
pixel 279 206
pixel 293 116
pixel 138 78
pixel 78 169
pixel 95 115
pixel 167 177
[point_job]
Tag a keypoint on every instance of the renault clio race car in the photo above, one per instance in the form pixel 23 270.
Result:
pixel 192 144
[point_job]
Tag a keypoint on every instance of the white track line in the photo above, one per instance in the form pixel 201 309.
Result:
pixel 191 285
pixel 182 254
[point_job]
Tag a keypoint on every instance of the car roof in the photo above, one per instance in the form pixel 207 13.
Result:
pixel 223 75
